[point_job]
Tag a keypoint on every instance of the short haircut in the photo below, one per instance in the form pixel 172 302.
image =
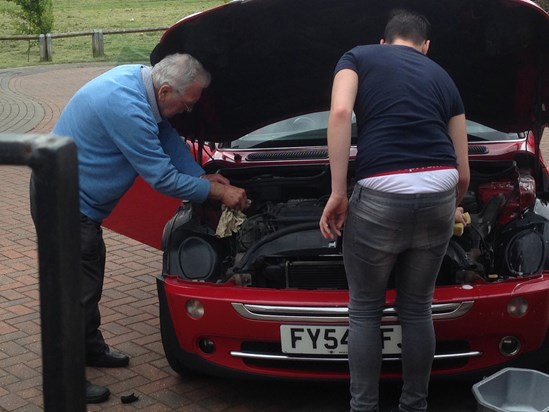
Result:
pixel 407 25
pixel 179 71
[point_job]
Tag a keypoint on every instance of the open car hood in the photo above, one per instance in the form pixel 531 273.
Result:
pixel 272 59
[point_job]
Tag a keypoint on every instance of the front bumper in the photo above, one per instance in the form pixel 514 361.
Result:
pixel 244 326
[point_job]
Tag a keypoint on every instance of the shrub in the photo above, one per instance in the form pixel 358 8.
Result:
pixel 36 16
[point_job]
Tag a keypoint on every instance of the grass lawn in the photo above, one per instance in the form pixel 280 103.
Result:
pixel 84 15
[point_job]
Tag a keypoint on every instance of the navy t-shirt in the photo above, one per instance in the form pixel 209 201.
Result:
pixel 403 106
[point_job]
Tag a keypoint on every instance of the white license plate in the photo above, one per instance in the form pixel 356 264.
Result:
pixel 331 340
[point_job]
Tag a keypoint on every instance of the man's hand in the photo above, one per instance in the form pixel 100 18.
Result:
pixel 334 215
pixel 232 196
pixel 216 177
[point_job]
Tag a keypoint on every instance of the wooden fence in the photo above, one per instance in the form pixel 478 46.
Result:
pixel 45 41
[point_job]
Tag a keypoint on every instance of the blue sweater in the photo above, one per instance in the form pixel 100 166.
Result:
pixel 119 134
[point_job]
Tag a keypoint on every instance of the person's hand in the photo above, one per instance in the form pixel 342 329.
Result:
pixel 333 216
pixel 460 216
pixel 232 196
pixel 216 177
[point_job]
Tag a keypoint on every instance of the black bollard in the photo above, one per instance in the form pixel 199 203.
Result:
pixel 55 170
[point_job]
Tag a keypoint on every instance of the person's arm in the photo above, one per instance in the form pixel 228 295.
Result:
pixel 344 92
pixel 457 129
pixel 173 173
pixel 178 150
pixel 220 187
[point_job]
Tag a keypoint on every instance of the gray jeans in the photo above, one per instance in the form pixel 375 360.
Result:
pixel 407 234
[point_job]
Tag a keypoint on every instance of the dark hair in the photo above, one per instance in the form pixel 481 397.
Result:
pixel 407 25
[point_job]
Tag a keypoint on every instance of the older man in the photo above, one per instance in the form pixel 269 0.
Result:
pixel 119 122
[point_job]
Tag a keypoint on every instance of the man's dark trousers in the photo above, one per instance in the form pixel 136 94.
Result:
pixel 93 274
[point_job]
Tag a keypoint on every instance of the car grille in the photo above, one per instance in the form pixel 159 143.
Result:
pixel 336 314
pixel 316 275
pixel 454 354
pixel 478 150
pixel 298 154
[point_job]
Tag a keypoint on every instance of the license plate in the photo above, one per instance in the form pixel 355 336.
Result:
pixel 331 340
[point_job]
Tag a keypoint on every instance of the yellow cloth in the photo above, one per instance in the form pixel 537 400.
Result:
pixel 460 227
pixel 230 221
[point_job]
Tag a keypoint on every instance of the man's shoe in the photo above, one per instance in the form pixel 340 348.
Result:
pixel 96 393
pixel 107 359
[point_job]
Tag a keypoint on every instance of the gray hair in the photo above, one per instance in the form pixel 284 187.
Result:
pixel 179 71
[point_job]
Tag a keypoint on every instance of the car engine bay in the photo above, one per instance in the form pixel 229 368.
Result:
pixel 279 245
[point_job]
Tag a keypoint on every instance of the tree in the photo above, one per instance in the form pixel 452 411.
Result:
pixel 36 16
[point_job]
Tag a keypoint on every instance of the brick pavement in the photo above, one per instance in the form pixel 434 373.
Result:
pixel 30 101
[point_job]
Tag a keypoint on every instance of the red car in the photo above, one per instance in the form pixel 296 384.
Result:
pixel 270 298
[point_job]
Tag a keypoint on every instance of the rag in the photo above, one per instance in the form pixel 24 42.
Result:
pixel 229 222
pixel 460 227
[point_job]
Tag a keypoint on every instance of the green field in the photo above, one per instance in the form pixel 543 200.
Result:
pixel 83 15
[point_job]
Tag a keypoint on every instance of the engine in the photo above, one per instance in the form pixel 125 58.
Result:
pixel 279 245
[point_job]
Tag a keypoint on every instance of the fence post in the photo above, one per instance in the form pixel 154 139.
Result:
pixel 42 47
pixel 97 43
pixel 49 47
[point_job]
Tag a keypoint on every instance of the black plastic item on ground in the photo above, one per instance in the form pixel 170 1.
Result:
pixel 129 398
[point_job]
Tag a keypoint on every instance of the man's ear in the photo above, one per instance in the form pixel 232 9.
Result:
pixel 382 41
pixel 163 91
pixel 425 46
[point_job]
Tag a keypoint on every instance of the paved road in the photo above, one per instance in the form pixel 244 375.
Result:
pixel 30 101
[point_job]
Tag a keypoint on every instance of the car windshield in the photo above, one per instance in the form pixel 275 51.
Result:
pixel 299 131
pixel 310 130
pixel 477 132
